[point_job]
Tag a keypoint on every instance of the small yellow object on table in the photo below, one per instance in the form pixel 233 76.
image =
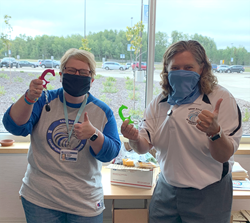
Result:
pixel 128 162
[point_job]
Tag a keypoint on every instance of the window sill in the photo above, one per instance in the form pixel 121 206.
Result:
pixel 17 147
pixel 22 147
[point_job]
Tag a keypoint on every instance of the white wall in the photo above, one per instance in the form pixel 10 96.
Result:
pixel 12 169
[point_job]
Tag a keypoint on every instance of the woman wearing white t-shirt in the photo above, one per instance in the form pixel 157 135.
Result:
pixel 195 127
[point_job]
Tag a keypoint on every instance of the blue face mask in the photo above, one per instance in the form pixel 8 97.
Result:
pixel 184 85
pixel 76 85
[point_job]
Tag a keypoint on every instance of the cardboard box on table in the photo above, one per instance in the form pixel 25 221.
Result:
pixel 128 215
pixel 133 176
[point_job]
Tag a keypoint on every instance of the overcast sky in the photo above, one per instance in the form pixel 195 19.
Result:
pixel 227 22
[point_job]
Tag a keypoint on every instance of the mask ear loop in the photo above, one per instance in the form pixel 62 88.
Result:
pixel 42 77
pixel 47 106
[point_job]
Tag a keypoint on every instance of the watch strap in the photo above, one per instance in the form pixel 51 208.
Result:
pixel 216 136
pixel 94 136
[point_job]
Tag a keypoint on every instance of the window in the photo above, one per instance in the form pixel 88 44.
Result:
pixel 206 22
pixel 106 35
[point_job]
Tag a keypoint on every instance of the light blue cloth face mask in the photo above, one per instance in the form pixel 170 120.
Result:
pixel 184 85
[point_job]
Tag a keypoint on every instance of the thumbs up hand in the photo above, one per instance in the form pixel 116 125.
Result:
pixel 85 129
pixel 208 121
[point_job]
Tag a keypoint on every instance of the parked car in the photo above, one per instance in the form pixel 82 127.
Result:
pixel 38 62
pixel 25 63
pixel 214 67
pixel 143 66
pixel 127 65
pixel 112 66
pixel 136 66
pixel 9 62
pixel 48 64
pixel 222 68
pixel 235 68
pixel 58 61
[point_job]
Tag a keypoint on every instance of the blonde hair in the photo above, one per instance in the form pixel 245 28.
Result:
pixel 81 55
pixel 207 80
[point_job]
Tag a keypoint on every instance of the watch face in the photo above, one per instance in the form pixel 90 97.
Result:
pixel 215 137
pixel 93 137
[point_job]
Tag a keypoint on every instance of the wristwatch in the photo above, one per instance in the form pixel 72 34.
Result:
pixel 216 136
pixel 94 136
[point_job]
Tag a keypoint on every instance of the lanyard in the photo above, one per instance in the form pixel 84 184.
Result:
pixel 77 116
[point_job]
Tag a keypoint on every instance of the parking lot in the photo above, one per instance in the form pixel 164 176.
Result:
pixel 237 83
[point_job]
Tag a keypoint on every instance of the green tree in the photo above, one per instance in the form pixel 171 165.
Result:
pixel 100 46
pixel 85 44
pixel 120 45
pixel 133 36
pixel 19 46
pixel 178 36
pixel 208 44
pixel 161 44
pixel 58 47
pixel 111 43
pixel 5 36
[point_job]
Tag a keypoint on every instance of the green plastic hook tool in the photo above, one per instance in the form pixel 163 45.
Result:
pixel 121 115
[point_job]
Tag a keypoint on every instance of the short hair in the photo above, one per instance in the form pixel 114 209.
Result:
pixel 207 80
pixel 81 55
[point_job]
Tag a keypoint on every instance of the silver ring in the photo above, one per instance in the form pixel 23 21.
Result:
pixel 199 122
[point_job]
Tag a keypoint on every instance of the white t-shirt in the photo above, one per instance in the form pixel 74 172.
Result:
pixel 49 182
pixel 182 149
